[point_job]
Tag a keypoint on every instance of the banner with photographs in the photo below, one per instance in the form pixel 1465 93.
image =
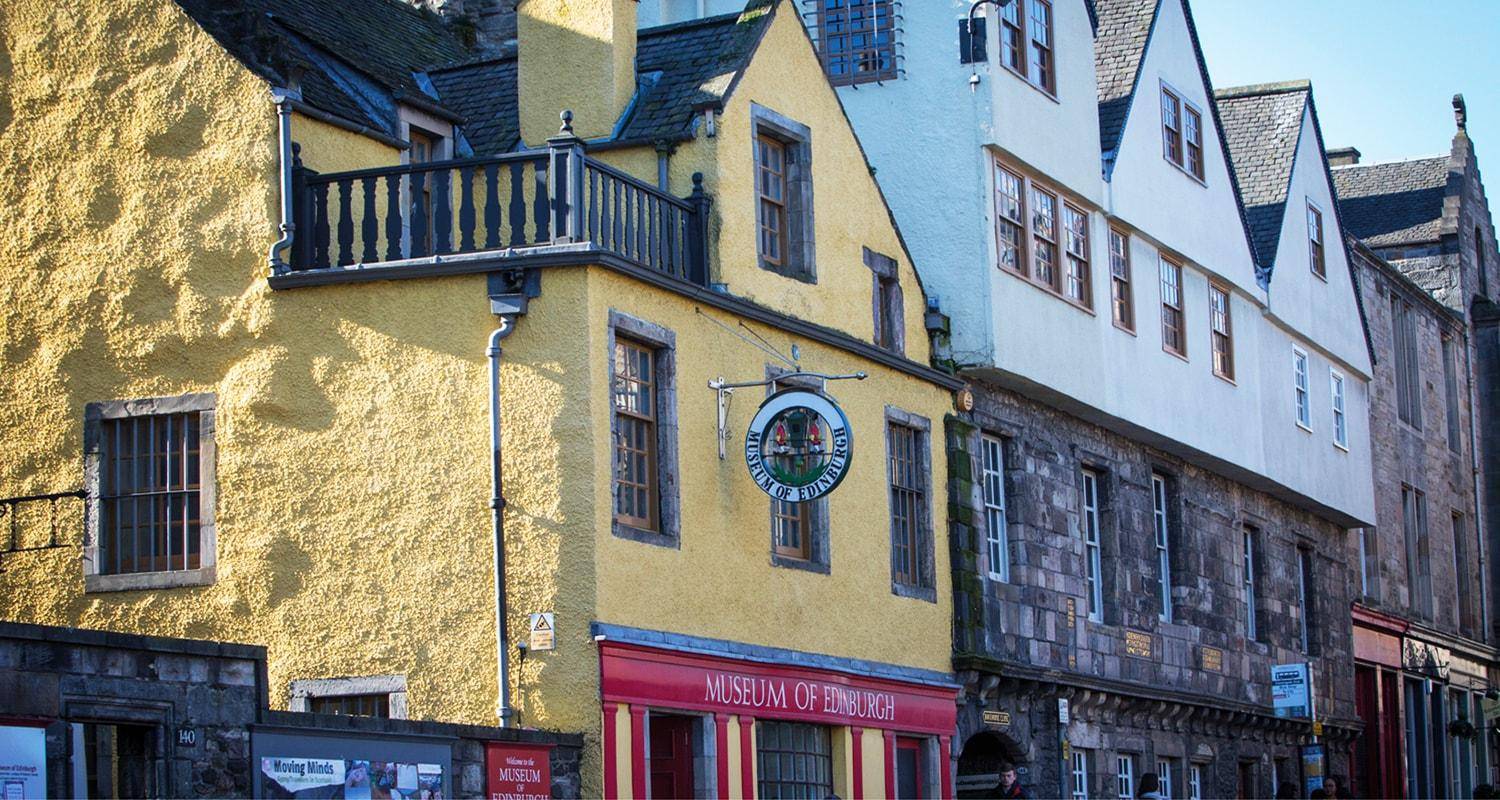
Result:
pixel 23 763
pixel 331 778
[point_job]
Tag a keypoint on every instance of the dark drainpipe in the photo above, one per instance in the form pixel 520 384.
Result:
pixel 508 308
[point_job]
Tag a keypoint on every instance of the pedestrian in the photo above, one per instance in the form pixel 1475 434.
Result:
pixel 1009 788
pixel 1150 788
pixel 1286 791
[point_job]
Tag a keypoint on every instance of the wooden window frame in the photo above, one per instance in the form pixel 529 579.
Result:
pixel 1221 341
pixel 103 472
pixel 1166 266
pixel 1014 55
pixel 1033 241
pixel 770 207
pixel 661 527
pixel 887 301
pixel 1302 388
pixel 646 419
pixel 1338 389
pixel 1043 76
pixel 1078 270
pixel 1121 294
pixel 819 758
pixel 884 11
pixel 1192 140
pixel 909 477
pixel 1022 262
pixel 1171 140
pixel 1315 237
pixel 305 693
pixel 1175 138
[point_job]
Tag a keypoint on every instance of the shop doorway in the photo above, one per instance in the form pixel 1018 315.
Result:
pixel 112 761
pixel 671 759
pixel 908 768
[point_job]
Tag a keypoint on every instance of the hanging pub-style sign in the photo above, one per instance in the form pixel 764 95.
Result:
pixel 799 445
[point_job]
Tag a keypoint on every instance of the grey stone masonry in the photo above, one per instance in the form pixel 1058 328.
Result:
pixel 200 701
pixel 1191 685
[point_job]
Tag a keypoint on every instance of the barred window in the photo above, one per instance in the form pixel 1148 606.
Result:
pixel 150 488
pixel 1171 308
pixel 858 40
pixel 1076 245
pixel 795 760
pixel 1222 331
pixel 1119 279
pixel 1010 220
pixel 355 705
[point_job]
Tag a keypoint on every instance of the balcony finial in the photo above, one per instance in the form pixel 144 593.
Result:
pixel 567 123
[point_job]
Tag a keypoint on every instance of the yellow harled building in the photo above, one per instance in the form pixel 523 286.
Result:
pixel 309 303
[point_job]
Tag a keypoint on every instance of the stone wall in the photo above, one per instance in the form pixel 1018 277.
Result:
pixel 200 700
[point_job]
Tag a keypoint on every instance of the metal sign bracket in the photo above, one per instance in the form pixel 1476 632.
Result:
pixel 725 391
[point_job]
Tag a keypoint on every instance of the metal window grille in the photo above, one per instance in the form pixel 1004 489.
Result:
pixel 635 434
pixel 1092 554
pixel 355 705
pixel 150 479
pixel 996 532
pixel 1163 543
pixel 795 760
pixel 859 41
pixel 908 503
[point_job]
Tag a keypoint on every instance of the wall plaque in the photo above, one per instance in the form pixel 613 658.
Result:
pixel 1137 644
pixel 1211 658
pixel 997 719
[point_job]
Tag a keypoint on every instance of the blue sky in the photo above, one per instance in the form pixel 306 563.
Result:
pixel 1383 72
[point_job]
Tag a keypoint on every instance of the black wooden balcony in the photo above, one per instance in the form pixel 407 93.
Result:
pixel 507 205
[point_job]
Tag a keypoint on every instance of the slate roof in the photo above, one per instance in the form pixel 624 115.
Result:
pixel 362 57
pixel 686 67
pixel 1123 28
pixel 359 56
pixel 1262 125
pixel 484 93
pixel 1399 202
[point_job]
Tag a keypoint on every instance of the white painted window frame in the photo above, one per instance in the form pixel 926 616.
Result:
pixel 1161 519
pixel 1092 552
pixel 1080 770
pixel 1164 768
pixel 996 524
pixel 1247 552
pixel 1125 776
pixel 1301 388
pixel 1195 782
pixel 1337 388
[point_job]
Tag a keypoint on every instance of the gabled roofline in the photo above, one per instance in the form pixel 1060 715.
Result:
pixel 1263 267
pixel 1111 156
pixel 1264 89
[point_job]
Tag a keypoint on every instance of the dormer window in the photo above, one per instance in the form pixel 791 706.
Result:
pixel 1182 133
pixel 857 39
pixel 1026 43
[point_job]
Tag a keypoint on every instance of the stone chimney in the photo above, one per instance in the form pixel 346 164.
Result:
pixel 577 55
pixel 492 23
pixel 1343 157
pixel 1460 112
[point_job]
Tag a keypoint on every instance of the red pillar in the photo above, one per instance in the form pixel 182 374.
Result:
pixel 890 764
pixel 721 752
pixel 747 766
pixel 638 752
pixel 857 758
pixel 945 769
pixel 611 778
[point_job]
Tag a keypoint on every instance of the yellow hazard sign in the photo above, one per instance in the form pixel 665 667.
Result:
pixel 543 632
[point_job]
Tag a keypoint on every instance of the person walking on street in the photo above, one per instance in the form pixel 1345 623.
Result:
pixel 1009 788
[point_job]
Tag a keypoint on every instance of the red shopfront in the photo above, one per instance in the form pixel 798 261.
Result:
pixel 691 725
pixel 1378 758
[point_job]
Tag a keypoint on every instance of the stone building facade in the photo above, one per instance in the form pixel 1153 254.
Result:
pixel 1185 695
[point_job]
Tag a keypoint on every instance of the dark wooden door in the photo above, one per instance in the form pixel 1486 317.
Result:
pixel 908 768
pixel 671 757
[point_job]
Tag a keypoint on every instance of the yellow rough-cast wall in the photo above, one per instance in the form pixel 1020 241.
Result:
pixel 720 583
pixel 577 55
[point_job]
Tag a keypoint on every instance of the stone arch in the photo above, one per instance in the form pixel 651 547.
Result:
pixel 979 761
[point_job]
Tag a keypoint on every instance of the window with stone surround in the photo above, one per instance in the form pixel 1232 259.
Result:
pixel 1195 782
pixel 1418 550
pixel 150 477
pixel 1306 588
pixel 1093 557
pixel 1162 525
pixel 1404 362
pixel 364 696
pixel 996 527
pixel 887 301
pixel 1080 773
pixel 799 531
pixel 643 430
pixel 1464 572
pixel 1125 776
pixel 1166 772
pixel 1250 580
pixel 1450 395
pixel 909 473
pixel 784 200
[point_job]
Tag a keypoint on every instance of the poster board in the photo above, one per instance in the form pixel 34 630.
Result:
pixel 301 764
pixel 517 771
pixel 23 762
